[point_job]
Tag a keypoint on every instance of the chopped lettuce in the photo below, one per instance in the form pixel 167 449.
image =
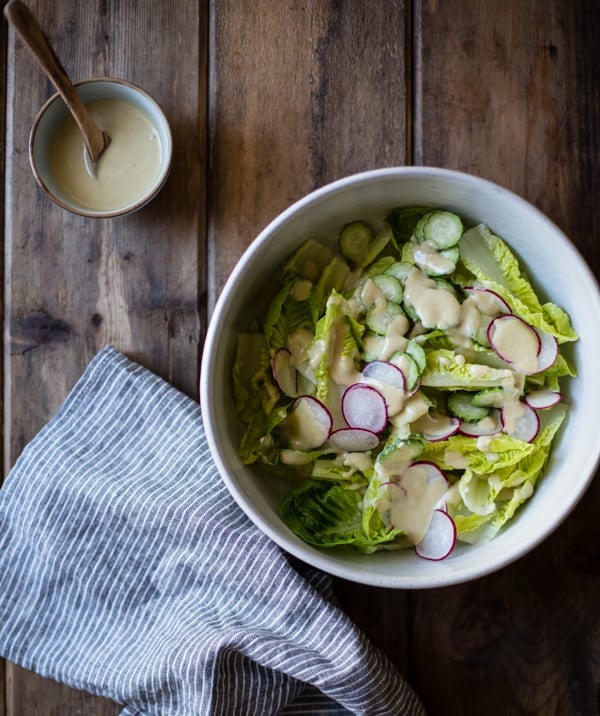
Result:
pixel 494 266
pixel 253 386
pixel 449 369
pixel 327 514
pixel 489 500
pixel 319 317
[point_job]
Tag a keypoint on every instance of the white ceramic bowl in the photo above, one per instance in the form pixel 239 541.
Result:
pixel 53 113
pixel 559 273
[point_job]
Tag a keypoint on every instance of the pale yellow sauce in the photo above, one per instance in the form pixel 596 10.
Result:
pixel 512 410
pixel 302 431
pixel 415 407
pixel 436 307
pixel 427 256
pixel 517 342
pixel 342 367
pixel 126 169
pixel 409 504
pixel 456 459
pixel 297 344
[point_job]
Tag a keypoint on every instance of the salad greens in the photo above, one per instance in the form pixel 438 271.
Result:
pixel 414 371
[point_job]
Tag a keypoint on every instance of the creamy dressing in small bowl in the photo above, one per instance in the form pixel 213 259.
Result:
pixel 131 170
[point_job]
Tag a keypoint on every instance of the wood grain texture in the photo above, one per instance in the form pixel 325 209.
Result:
pixel 300 96
pixel 512 92
pixel 73 284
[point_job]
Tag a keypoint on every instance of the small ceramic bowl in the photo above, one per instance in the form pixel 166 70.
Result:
pixel 559 274
pixel 50 123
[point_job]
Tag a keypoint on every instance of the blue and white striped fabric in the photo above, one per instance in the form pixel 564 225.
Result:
pixel 127 570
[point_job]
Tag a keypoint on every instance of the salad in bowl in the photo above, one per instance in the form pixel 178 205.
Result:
pixel 406 383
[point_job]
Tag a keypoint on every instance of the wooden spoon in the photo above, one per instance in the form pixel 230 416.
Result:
pixel 25 23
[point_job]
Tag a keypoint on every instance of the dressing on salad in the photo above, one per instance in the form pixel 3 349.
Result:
pixel 408 384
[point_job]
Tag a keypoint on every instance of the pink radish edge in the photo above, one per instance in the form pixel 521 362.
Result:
pixel 353 439
pixel 452 427
pixel 385 372
pixel 509 317
pixel 543 398
pixel 320 412
pixel 502 305
pixel 363 406
pixel 440 539
pixel 525 427
pixel 548 352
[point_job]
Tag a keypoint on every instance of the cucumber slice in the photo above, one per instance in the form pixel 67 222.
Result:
pixel 377 320
pixel 409 368
pixel 417 353
pixel 354 241
pixel 380 266
pixel 403 221
pixel 460 404
pixel 389 286
pixel 400 270
pixel 489 398
pixel 376 246
pixel 443 228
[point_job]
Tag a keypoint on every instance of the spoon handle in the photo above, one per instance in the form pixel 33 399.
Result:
pixel 25 23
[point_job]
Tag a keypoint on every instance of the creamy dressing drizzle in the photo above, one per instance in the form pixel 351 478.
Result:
pixel 518 343
pixel 126 169
pixel 436 307
pixel 427 256
pixel 408 503
pixel 408 497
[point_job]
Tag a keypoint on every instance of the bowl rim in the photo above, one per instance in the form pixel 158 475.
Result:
pixel 138 203
pixel 290 543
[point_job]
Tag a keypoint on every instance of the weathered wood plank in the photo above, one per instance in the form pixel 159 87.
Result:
pixel 300 96
pixel 74 285
pixel 512 92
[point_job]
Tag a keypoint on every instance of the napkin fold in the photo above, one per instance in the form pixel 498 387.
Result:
pixel 127 570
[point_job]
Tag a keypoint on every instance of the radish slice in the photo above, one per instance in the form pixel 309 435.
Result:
pixel 364 407
pixel 353 439
pixel 309 423
pixel 285 374
pixel 489 302
pixel 432 472
pixel 440 538
pixel 548 351
pixel 442 505
pixel 543 398
pixel 385 372
pixel 521 422
pixel 436 426
pixel 415 389
pixel 516 342
pixel 490 425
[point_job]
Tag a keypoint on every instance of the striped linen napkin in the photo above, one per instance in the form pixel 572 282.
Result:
pixel 127 570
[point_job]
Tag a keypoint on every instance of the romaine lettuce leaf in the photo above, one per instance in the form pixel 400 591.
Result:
pixel 448 369
pixel 327 514
pixel 287 314
pixel 488 503
pixel 337 343
pixel 494 265
pixel 256 395
pixel 481 456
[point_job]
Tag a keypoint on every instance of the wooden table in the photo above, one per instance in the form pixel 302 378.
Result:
pixel 268 100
